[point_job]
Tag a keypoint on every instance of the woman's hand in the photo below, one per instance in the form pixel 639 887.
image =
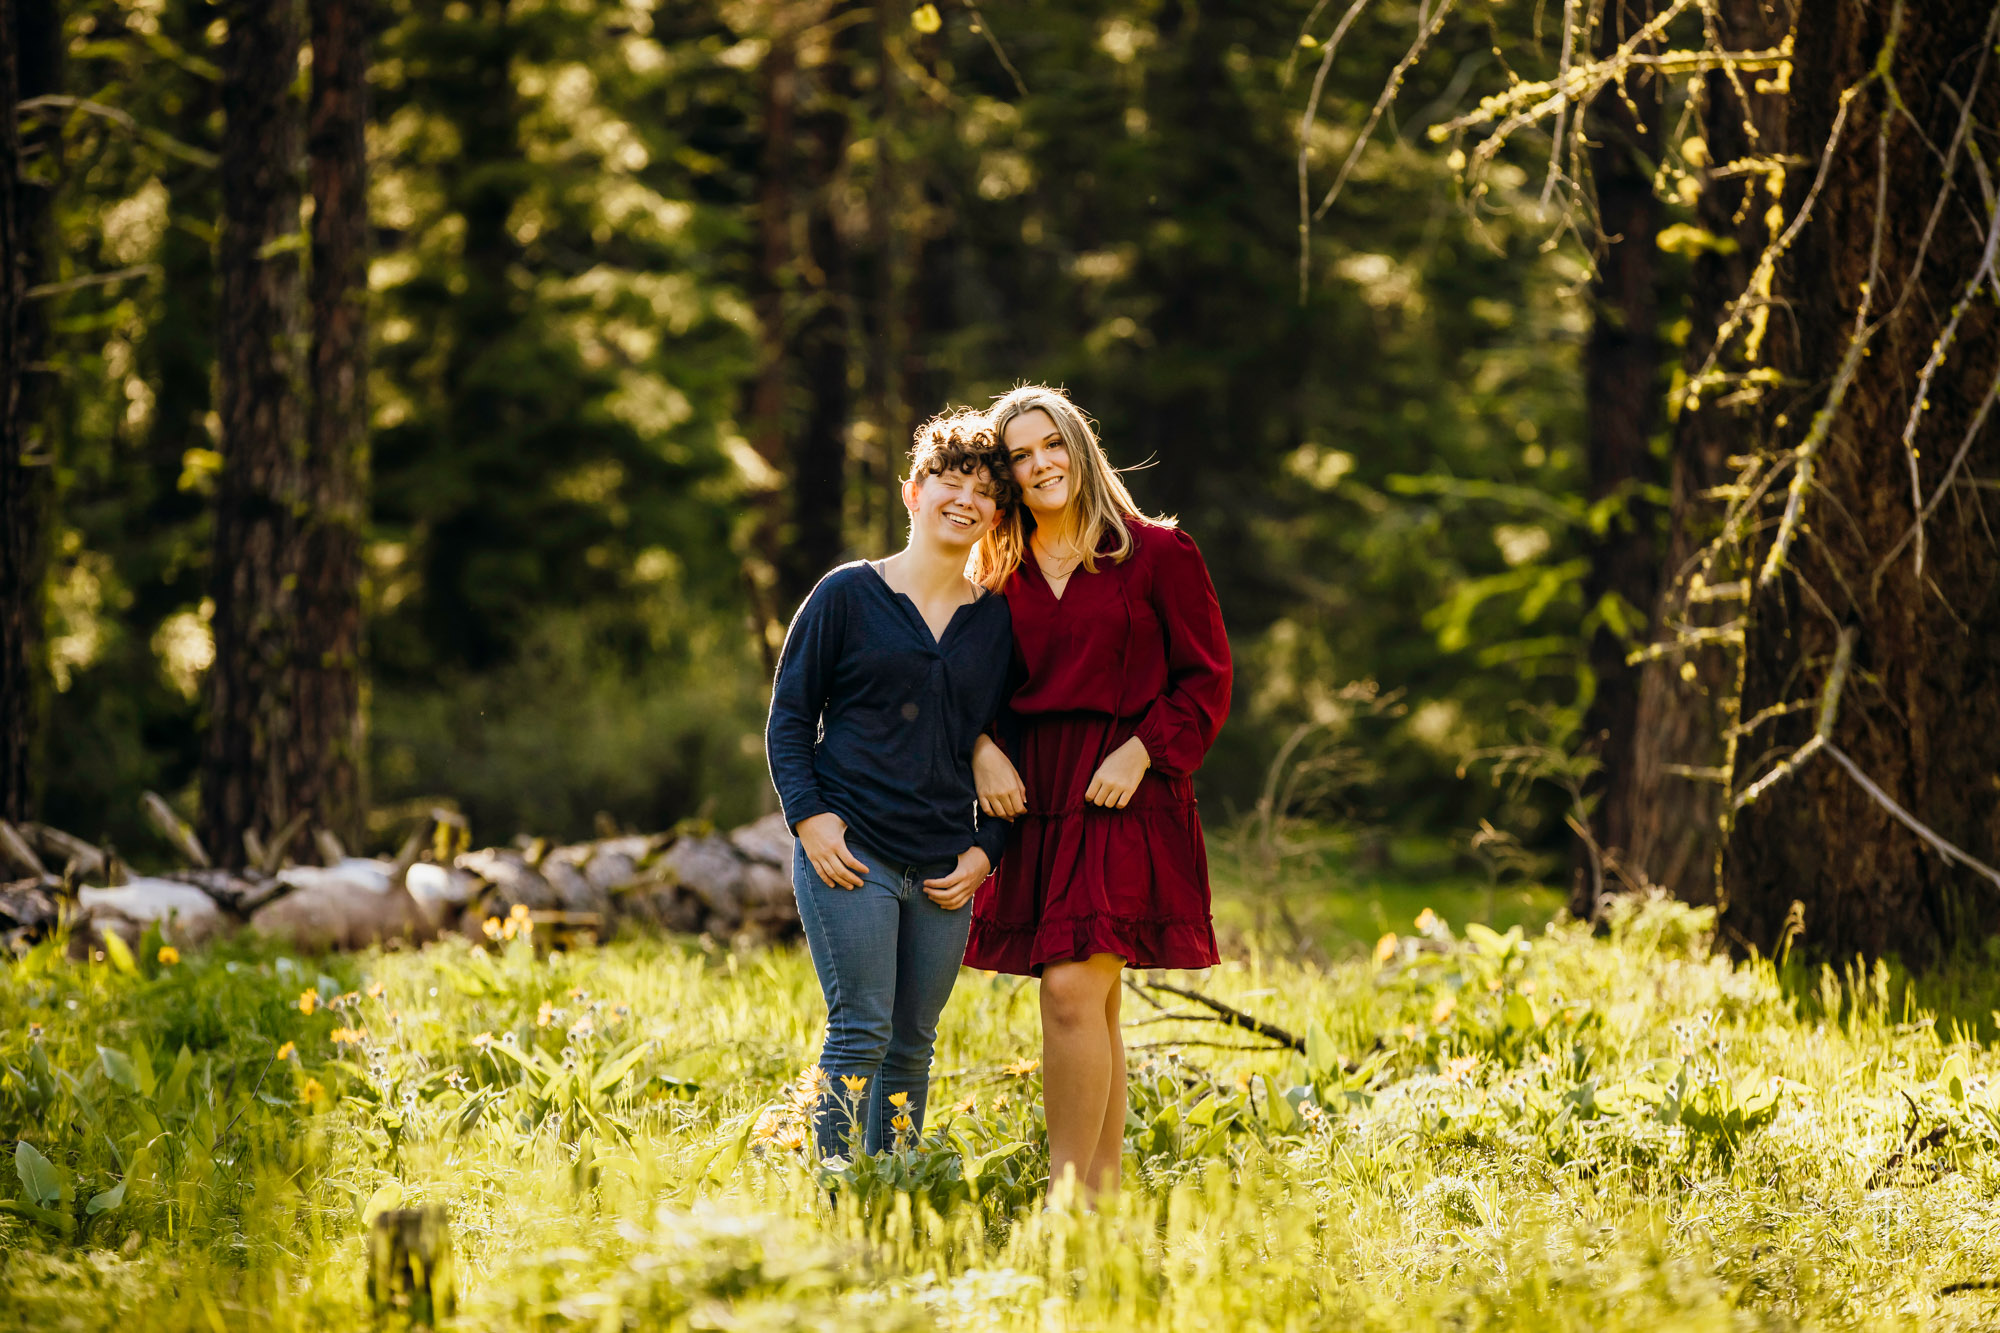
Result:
pixel 1118 776
pixel 954 889
pixel 824 838
pixel 1001 794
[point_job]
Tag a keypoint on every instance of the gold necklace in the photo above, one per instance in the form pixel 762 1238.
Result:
pixel 1061 567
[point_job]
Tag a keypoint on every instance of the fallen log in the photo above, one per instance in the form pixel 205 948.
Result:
pixel 162 817
pixel 733 885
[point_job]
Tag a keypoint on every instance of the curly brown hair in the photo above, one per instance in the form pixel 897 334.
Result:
pixel 962 440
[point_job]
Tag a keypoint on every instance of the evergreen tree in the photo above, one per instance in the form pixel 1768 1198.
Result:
pixel 252 703
pixel 29 68
pixel 325 754
pixel 1876 615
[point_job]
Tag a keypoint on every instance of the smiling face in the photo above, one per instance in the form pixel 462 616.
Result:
pixel 1040 462
pixel 952 507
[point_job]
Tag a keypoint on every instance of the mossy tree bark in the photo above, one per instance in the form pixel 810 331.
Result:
pixel 1882 258
pixel 260 491
pixel 1671 819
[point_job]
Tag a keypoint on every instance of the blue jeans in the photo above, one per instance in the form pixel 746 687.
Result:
pixel 887 958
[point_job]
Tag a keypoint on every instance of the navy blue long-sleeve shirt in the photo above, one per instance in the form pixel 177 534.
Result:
pixel 874 720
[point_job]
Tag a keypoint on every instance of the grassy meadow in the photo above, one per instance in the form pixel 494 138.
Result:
pixel 1528 1129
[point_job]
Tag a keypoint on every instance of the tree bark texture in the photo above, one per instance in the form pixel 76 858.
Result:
pixel 1621 396
pixel 824 347
pixel 1672 821
pixel 325 758
pixel 801 401
pixel 767 391
pixel 1920 712
pixel 30 62
pixel 898 220
pixel 251 711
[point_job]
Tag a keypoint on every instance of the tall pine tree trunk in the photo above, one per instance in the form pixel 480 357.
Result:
pixel 1919 712
pixel 819 449
pixel 30 63
pixel 1621 396
pixel 250 709
pixel 324 758
pixel 894 235
pixel 801 401
pixel 1673 803
pixel 767 396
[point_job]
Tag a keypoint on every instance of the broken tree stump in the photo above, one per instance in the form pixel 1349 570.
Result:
pixel 410 1268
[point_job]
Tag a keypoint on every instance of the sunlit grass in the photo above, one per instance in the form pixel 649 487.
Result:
pixel 1337 902
pixel 1520 1131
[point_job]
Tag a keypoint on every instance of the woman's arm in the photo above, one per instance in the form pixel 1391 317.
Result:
pixel 1001 792
pixel 798 700
pixel 1184 721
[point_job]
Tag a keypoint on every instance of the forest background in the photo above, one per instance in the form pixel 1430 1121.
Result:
pixel 656 291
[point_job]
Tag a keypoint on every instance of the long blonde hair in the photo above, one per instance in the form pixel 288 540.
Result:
pixel 1099 502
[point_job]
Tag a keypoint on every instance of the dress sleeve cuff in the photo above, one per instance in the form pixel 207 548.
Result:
pixel 1151 733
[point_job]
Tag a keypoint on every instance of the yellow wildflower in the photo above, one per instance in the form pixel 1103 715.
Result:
pixel 34 1032
pixel 311 1092
pixel 902 1124
pixel 287 1051
pixel 308 1001
pixel 966 1105
pixel 374 990
pixel 583 1027
pixel 482 1041
pixel 1023 1067
pixel 491 925
pixel 855 1084
pixel 769 1126
pixel 1443 1009
pixel 1455 1070
pixel 169 955
pixel 349 1036
pixel 792 1138
pixel 899 1100
pixel 926 19
pixel 545 1015
pixel 1427 921
pixel 1385 948
pixel 518 912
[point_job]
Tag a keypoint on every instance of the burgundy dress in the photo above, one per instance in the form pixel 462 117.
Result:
pixel 1133 649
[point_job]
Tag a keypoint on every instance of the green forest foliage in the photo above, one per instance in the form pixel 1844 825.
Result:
pixel 1385 475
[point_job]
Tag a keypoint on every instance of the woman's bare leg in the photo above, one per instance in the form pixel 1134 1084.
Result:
pixel 1076 1064
pixel 1108 1158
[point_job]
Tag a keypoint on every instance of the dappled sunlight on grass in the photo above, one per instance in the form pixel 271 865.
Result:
pixel 1340 904
pixel 1485 1128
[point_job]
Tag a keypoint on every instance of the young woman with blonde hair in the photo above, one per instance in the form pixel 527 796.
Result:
pixel 1123 675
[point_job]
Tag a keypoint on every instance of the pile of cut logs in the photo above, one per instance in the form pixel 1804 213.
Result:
pixel 732 886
